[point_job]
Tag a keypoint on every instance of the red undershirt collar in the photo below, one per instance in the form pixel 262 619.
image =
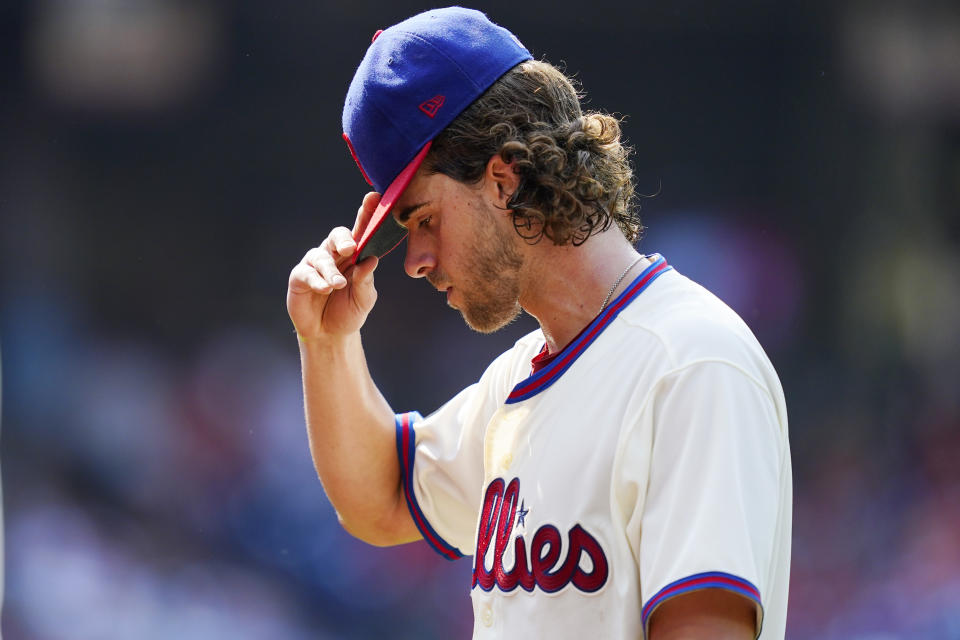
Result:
pixel 544 358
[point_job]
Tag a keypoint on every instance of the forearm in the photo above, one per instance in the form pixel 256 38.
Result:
pixel 352 441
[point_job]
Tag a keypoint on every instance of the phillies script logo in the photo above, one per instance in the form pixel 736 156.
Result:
pixel 545 569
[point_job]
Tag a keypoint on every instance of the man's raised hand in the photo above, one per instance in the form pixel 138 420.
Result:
pixel 329 297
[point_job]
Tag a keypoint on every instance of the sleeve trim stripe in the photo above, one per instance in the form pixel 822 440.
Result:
pixel 406 448
pixel 713 579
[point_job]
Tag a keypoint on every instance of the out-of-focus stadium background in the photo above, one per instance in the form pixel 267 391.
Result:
pixel 163 165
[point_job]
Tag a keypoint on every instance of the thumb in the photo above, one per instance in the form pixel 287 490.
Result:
pixel 361 280
pixel 363 271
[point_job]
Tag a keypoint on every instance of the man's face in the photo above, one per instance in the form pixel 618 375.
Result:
pixel 462 245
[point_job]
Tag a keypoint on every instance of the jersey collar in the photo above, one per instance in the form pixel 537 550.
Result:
pixel 545 377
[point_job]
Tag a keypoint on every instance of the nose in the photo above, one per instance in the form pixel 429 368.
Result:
pixel 420 259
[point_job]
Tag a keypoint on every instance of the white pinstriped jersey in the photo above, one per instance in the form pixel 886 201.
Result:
pixel 648 459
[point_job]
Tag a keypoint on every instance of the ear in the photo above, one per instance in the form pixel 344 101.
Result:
pixel 500 181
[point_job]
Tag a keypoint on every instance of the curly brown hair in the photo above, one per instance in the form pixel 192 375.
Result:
pixel 575 175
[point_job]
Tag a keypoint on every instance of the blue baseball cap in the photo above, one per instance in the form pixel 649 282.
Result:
pixel 415 79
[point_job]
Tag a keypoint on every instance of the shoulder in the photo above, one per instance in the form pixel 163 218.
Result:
pixel 688 324
pixel 679 326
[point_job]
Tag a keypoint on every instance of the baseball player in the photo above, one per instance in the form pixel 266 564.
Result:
pixel 622 472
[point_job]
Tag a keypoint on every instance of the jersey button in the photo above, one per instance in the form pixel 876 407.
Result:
pixel 486 615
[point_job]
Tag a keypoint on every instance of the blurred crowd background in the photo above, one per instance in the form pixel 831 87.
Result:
pixel 165 163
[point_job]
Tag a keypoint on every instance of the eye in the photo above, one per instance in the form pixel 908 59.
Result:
pixel 424 221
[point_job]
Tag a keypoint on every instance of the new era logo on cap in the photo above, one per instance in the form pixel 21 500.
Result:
pixel 431 106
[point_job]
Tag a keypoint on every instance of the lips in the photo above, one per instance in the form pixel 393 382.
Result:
pixel 435 280
pixel 441 288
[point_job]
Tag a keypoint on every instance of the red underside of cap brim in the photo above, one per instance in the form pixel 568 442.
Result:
pixel 383 233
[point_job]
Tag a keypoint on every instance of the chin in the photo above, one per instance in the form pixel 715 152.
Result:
pixel 490 320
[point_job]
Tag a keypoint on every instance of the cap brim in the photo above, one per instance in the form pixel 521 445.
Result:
pixel 383 233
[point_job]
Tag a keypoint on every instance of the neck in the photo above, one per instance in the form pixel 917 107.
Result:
pixel 566 286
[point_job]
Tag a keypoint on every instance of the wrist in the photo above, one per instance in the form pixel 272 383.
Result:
pixel 302 339
pixel 324 342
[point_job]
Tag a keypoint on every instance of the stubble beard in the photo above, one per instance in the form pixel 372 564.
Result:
pixel 491 293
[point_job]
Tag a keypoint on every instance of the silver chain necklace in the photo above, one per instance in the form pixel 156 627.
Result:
pixel 617 283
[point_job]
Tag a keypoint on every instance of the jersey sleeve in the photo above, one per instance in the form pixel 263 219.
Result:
pixel 441 462
pixel 709 512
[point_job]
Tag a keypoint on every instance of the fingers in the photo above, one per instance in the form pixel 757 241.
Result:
pixel 365 212
pixel 304 278
pixel 322 260
pixel 323 268
pixel 340 243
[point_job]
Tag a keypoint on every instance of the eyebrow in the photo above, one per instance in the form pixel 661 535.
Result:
pixel 405 214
